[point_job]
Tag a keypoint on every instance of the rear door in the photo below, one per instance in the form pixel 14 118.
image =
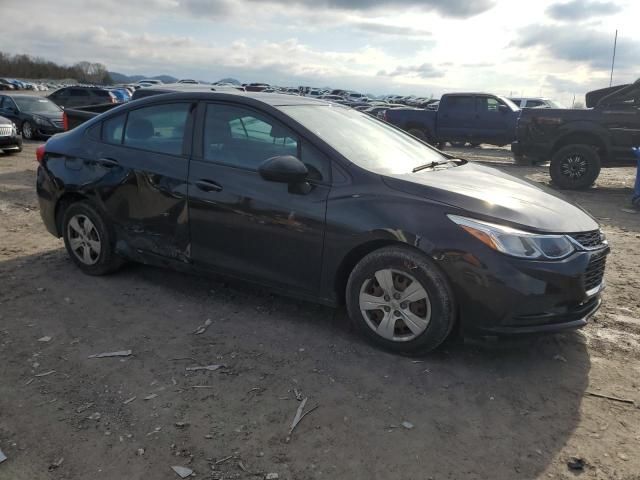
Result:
pixel 142 164
pixel 456 118
pixel 240 223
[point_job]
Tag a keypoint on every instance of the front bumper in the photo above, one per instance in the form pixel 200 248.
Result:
pixel 501 295
pixel 48 131
pixel 10 142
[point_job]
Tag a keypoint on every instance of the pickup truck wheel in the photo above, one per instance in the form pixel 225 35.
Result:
pixel 522 161
pixel 401 301
pixel 575 167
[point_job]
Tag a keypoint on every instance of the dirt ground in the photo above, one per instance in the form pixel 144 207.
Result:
pixel 479 410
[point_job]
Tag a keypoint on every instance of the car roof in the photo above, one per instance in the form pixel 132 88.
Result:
pixel 273 99
pixel 22 95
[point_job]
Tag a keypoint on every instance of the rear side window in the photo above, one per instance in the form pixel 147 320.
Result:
pixel 533 103
pixel 112 129
pixel 159 128
pixel 76 92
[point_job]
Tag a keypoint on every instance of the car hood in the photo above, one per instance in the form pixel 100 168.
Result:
pixel 5 121
pixel 489 194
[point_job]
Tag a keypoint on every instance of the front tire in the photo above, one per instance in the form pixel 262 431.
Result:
pixel 400 301
pixel 88 240
pixel 575 167
pixel 28 132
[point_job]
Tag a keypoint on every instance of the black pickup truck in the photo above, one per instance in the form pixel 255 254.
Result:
pixel 580 142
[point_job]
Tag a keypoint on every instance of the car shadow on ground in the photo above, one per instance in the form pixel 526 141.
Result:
pixel 499 410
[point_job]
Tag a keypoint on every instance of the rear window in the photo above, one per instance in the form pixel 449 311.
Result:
pixel 460 102
pixel 159 128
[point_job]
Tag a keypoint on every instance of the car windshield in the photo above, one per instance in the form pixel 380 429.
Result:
pixel 365 141
pixel 36 105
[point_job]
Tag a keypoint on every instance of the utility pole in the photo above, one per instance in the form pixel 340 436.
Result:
pixel 613 60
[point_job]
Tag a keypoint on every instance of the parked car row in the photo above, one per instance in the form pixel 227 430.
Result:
pixel 13 84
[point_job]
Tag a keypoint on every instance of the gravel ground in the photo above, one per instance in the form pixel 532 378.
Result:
pixel 475 410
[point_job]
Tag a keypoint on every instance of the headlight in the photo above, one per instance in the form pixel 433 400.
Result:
pixel 41 120
pixel 516 242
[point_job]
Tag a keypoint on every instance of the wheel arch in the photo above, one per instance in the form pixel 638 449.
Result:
pixel 62 204
pixel 582 137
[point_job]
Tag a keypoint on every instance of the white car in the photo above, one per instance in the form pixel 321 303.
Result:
pixel 536 102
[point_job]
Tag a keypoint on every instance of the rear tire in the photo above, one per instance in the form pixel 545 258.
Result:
pixel 376 301
pixel 575 166
pixel 88 240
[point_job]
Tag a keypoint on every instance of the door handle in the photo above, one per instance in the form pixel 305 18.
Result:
pixel 208 186
pixel 108 162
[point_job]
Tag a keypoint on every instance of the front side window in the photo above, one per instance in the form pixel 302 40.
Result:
pixel 243 138
pixel 159 128
pixel 488 104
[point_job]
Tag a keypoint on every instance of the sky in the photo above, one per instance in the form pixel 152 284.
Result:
pixel 547 48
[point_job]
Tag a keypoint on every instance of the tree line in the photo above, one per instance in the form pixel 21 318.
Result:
pixel 26 66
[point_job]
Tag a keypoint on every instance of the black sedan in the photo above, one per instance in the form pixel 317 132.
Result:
pixel 326 203
pixel 35 116
pixel 10 141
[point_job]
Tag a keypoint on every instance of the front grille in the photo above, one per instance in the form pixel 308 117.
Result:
pixel 6 131
pixel 589 239
pixel 595 271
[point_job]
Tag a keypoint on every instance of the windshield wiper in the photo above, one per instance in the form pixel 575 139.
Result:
pixel 433 164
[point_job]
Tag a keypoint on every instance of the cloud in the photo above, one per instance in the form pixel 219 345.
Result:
pixel 584 45
pixel 394 30
pixel 581 9
pixel 426 70
pixel 448 8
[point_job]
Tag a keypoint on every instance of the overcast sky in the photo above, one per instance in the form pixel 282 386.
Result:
pixel 529 47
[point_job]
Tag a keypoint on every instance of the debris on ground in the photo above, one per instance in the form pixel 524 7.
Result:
pixel 45 373
pixel 407 425
pixel 3 457
pixel 57 464
pixel 222 460
pixel 271 476
pixel 121 353
pixel 609 397
pixel 211 368
pixel 183 472
pixel 140 452
pixel 44 339
pixel 129 400
pixel 181 424
pixel 83 407
pixel 94 416
pixel 203 328
pixel 151 397
pixel 299 416
pixel 576 463
pixel 560 358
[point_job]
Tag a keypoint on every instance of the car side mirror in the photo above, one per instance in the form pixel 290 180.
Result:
pixel 283 169
pixel 503 109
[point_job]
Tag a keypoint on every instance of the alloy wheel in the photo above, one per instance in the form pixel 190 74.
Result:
pixel 574 166
pixel 84 239
pixel 395 305
pixel 27 131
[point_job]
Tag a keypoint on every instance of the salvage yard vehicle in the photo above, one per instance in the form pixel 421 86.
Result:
pixel 79 96
pixel 10 141
pixel 580 142
pixel 535 102
pixel 326 203
pixel 461 117
pixel 36 117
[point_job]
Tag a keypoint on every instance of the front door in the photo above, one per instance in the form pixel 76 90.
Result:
pixel 243 224
pixel 144 153
pixel 494 122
